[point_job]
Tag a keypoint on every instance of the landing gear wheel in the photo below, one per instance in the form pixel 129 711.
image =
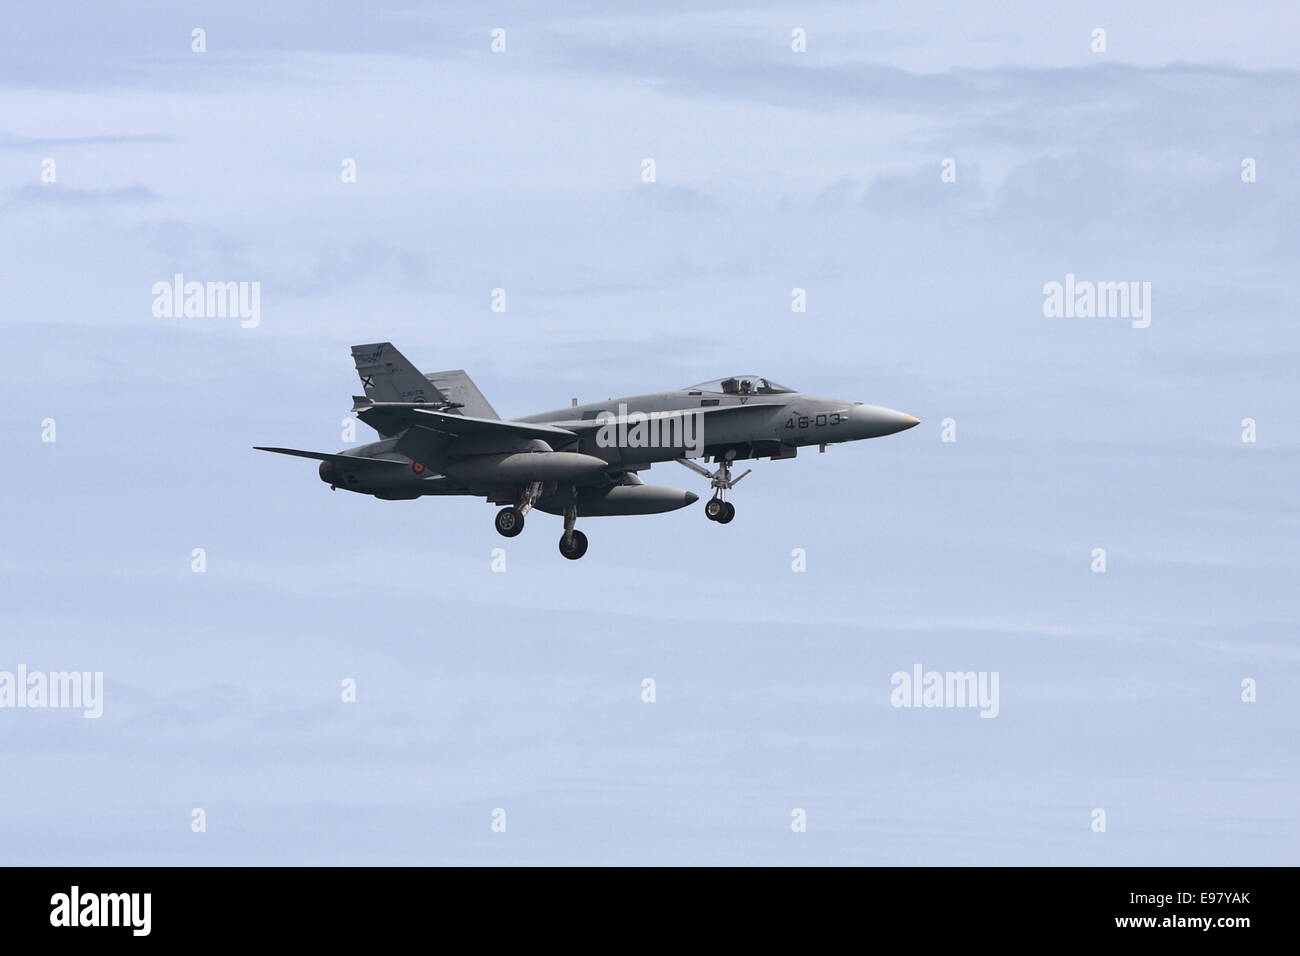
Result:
pixel 576 547
pixel 717 509
pixel 509 522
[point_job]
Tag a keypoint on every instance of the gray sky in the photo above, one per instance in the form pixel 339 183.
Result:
pixel 775 170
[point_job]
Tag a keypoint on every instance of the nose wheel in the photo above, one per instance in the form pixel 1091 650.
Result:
pixel 718 509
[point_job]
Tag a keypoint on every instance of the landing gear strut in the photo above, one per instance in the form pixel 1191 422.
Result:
pixel 573 543
pixel 510 521
pixel 718 509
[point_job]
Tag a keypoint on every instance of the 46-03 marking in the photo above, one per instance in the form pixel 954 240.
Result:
pixel 815 421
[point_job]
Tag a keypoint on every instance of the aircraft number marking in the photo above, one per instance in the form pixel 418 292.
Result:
pixel 815 421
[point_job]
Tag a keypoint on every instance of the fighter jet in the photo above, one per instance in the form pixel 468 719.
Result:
pixel 439 436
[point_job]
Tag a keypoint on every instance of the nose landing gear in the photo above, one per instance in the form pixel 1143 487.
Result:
pixel 718 509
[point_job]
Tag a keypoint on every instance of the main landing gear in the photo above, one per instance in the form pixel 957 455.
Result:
pixel 510 521
pixel 573 543
pixel 718 509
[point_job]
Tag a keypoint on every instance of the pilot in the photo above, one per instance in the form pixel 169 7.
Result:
pixel 746 386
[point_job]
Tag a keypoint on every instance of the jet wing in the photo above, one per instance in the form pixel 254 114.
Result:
pixel 325 456
pixel 385 415
pixel 461 425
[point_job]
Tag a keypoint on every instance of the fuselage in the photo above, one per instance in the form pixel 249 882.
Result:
pixel 790 419
pixel 629 434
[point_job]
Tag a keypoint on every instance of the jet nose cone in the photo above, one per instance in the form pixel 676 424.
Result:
pixel 874 421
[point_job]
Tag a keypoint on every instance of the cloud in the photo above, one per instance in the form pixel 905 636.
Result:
pixel 54 194
pixel 11 141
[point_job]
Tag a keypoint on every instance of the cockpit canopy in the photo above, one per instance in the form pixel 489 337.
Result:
pixel 741 385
